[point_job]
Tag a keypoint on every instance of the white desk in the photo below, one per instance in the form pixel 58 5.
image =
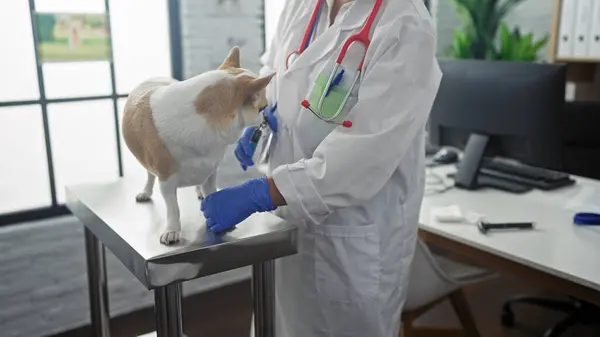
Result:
pixel 555 252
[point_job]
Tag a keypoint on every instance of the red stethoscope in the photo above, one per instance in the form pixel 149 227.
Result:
pixel 334 76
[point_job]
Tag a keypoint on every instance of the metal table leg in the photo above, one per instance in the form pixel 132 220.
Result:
pixel 97 285
pixel 263 292
pixel 167 307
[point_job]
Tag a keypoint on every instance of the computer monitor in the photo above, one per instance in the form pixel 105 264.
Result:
pixel 505 109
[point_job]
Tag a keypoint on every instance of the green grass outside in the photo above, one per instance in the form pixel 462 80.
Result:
pixel 89 49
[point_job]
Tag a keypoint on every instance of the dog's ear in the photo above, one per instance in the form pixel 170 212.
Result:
pixel 259 83
pixel 232 60
pixel 253 89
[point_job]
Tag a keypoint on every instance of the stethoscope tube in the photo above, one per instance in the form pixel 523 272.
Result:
pixel 346 124
pixel 308 34
pixel 362 37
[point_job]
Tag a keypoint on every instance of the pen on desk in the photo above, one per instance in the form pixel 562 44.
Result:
pixel 484 227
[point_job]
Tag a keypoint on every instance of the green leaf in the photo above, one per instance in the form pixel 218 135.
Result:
pixel 508 5
pixel 516 46
pixel 540 43
pixel 506 42
pixel 461 45
pixel 484 35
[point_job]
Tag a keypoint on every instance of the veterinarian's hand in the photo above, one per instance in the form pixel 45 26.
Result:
pixel 230 206
pixel 244 150
pixel 271 118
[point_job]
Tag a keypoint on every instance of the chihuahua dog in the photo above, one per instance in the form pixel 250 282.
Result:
pixel 179 130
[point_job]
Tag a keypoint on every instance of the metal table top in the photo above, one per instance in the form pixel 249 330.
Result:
pixel 131 231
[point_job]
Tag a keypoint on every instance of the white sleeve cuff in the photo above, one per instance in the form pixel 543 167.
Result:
pixel 301 196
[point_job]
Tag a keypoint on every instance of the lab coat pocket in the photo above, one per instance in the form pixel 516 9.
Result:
pixel 347 262
pixel 311 130
pixel 333 95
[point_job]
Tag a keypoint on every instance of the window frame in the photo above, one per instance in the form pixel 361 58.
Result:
pixel 57 209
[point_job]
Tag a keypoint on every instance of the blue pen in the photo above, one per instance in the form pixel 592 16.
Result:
pixel 336 80
pixel 587 219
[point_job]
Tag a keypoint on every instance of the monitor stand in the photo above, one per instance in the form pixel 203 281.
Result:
pixel 469 177
pixel 469 165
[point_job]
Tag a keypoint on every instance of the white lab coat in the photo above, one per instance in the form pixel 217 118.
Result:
pixel 355 193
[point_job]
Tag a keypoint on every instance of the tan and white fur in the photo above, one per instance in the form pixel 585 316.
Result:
pixel 179 130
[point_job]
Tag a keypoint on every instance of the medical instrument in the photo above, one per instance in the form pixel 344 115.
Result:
pixel 587 219
pixel 345 123
pixel 484 227
pixel 335 77
pixel 308 34
pixel 258 131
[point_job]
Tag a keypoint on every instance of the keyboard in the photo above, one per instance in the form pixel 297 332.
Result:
pixel 527 175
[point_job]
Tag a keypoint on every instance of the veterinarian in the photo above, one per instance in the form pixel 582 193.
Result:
pixel 355 192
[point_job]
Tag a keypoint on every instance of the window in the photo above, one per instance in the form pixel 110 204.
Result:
pixel 140 41
pixel 60 121
pixel 24 182
pixel 17 59
pixel 273 9
pixel 84 143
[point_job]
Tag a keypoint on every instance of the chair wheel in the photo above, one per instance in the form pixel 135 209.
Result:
pixel 508 318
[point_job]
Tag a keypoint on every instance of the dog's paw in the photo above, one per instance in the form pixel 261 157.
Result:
pixel 143 197
pixel 169 237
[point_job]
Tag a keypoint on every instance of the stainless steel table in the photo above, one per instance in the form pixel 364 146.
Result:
pixel 113 219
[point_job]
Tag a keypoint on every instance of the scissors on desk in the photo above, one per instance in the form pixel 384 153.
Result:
pixel 587 219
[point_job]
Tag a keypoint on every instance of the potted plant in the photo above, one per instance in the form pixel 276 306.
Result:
pixel 514 46
pixel 478 38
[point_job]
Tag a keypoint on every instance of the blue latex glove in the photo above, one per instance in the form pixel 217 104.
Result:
pixel 228 207
pixel 271 118
pixel 246 145
pixel 244 150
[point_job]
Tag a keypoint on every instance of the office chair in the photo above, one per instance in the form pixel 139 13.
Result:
pixel 434 278
pixel 578 312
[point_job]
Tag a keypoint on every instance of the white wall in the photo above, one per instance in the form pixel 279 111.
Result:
pixel 209 30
